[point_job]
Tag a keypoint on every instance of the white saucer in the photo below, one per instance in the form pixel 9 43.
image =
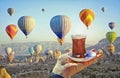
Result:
pixel 79 59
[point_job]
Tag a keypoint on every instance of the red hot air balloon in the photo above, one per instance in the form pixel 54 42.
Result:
pixel 11 30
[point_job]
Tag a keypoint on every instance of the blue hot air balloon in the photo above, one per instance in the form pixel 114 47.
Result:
pixel 111 25
pixel 60 25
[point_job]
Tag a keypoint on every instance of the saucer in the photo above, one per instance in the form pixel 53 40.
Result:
pixel 79 59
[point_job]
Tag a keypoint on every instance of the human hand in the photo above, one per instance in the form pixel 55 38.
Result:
pixel 65 67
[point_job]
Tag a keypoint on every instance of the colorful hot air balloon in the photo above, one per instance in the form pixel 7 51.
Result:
pixel 87 16
pixel 111 25
pixel 38 49
pixel 60 25
pixel 8 50
pixel 11 30
pixel 111 36
pixel 103 9
pixel 26 24
pixel 10 11
pixel 31 50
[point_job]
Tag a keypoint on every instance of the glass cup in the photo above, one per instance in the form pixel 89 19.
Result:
pixel 78 46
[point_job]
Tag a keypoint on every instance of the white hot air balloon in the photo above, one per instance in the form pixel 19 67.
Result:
pixel 8 50
pixel 38 49
pixel 26 24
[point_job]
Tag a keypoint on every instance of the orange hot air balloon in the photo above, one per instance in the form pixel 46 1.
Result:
pixel 87 16
pixel 11 30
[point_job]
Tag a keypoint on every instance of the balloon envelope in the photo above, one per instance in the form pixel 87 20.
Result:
pixel 111 48
pixel 10 11
pixel 43 9
pixel 31 50
pixel 37 49
pixel 8 50
pixel 111 25
pixel 26 24
pixel 111 36
pixel 87 16
pixel 10 58
pixel 11 30
pixel 103 9
pixel 60 25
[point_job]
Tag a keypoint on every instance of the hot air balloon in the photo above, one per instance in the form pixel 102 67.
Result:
pixel 103 9
pixel 4 73
pixel 111 36
pixel 31 50
pixel 43 9
pixel 60 25
pixel 57 53
pixel 38 49
pixel 111 48
pixel 26 24
pixel 87 16
pixel 10 11
pixel 10 58
pixel 61 41
pixel 8 50
pixel 111 25
pixel 12 53
pixel 11 30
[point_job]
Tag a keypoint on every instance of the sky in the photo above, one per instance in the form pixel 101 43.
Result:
pixel 70 8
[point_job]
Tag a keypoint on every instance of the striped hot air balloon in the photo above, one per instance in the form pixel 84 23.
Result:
pixel 26 24
pixel 11 30
pixel 60 25
pixel 10 11
pixel 87 16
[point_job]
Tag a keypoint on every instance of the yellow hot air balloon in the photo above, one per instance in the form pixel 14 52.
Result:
pixel 11 30
pixel 4 73
pixel 111 48
pixel 87 16
pixel 57 53
pixel 61 41
pixel 10 11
